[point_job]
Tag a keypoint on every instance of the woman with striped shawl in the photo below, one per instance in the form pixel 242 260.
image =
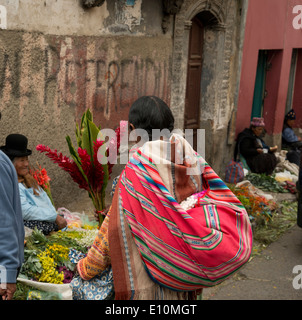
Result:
pixel 173 227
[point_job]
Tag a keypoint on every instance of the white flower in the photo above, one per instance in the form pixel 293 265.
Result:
pixel 87 238
pixel 189 203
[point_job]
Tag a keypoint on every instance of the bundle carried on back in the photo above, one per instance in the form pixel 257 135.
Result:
pixel 182 250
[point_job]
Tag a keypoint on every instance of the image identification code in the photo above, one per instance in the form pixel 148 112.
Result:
pixel 152 309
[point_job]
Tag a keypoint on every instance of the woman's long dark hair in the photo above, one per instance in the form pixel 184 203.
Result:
pixel 150 112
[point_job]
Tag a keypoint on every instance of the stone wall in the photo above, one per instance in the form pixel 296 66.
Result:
pixel 220 74
pixel 58 59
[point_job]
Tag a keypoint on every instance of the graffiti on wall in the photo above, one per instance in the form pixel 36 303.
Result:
pixel 77 72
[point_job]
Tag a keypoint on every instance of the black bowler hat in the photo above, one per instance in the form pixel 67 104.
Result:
pixel 16 146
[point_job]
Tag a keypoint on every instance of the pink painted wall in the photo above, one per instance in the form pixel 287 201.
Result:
pixel 269 26
pixel 297 98
pixel 275 58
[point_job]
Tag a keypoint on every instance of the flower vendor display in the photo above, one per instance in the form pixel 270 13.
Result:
pixel 47 265
pixel 84 167
pixel 258 207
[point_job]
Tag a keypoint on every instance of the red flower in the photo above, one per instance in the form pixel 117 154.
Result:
pixel 98 167
pixel 66 164
pixel 86 169
pixel 86 163
pixel 41 177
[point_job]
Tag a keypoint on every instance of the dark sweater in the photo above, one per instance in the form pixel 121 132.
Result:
pixel 247 143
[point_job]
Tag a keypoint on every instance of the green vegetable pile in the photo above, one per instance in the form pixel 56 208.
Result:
pixel 264 182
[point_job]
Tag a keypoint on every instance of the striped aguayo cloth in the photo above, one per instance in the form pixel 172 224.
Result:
pixel 181 250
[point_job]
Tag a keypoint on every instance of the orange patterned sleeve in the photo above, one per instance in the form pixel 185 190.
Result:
pixel 98 257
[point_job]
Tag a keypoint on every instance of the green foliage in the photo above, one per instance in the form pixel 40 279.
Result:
pixel 37 243
pixel 32 264
pixel 67 239
pixel 283 219
pixel 257 207
pixel 86 135
pixel 22 291
pixel 264 182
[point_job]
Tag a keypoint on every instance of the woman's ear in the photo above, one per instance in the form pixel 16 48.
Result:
pixel 131 127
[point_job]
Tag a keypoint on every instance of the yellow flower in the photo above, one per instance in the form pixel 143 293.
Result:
pixel 57 251
pixel 49 273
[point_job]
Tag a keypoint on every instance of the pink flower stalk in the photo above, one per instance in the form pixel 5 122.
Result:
pixel 86 169
pixel 66 164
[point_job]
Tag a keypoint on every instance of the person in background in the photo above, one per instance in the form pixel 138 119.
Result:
pixel 11 229
pixel 290 141
pixel 299 188
pixel 259 157
pixel 37 209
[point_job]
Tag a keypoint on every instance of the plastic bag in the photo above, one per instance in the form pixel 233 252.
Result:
pixel 77 220
pixel 63 289
pixel 285 176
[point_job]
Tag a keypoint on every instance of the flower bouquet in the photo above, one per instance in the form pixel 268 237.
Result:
pixel 47 265
pixel 84 167
pixel 42 178
pixel 258 207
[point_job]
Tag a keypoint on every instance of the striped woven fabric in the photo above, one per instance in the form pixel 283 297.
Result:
pixel 234 172
pixel 183 250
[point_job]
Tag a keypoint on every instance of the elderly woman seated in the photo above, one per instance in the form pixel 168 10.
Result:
pixel 259 157
pixel 290 141
pixel 37 208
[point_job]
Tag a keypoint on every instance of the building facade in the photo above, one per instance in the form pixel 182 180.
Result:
pixel 58 58
pixel 205 73
pixel 271 72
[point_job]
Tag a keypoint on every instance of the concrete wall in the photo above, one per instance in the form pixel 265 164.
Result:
pixel 67 17
pixel 57 60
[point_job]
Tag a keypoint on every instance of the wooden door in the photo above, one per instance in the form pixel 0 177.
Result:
pixel 193 90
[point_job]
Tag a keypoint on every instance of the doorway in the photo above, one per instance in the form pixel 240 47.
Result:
pixel 259 90
pixel 193 89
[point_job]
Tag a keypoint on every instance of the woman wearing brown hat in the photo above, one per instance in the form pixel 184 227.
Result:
pixel 37 209
pixel 259 157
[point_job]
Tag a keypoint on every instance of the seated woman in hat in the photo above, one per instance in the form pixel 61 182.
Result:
pixel 37 209
pixel 259 157
pixel 290 141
